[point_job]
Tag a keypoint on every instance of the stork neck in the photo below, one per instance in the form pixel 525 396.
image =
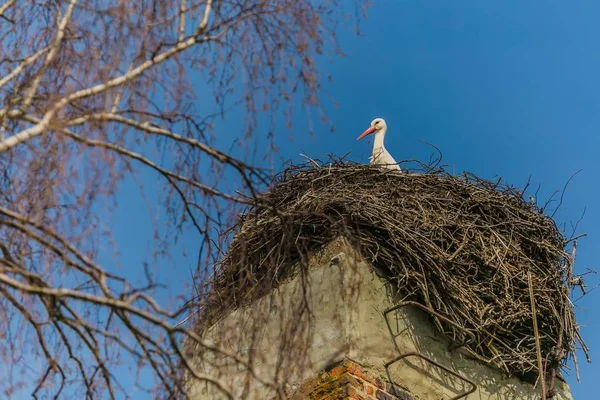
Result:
pixel 378 143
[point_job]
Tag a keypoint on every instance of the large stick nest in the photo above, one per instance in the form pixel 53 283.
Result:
pixel 458 244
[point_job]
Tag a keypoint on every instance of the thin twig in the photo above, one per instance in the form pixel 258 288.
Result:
pixel 536 334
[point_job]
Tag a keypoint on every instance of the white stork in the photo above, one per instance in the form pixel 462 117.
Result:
pixel 380 155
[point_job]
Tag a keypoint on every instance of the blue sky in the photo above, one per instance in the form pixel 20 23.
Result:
pixel 507 89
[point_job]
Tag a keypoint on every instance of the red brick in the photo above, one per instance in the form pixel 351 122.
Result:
pixel 355 369
pixel 352 380
pixel 380 395
pixel 354 394
pixel 348 381
pixel 337 371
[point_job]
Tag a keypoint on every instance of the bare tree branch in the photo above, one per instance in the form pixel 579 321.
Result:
pixel 99 99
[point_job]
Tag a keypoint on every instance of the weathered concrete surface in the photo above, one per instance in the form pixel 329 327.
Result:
pixel 335 312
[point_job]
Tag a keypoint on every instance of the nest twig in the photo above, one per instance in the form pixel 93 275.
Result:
pixel 459 244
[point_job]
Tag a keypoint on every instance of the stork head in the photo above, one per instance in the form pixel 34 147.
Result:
pixel 377 125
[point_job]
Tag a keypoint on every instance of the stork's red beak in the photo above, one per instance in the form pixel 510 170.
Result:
pixel 367 132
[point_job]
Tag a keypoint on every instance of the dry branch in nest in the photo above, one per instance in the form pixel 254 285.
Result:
pixel 458 244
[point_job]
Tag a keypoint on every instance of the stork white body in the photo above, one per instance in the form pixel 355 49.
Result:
pixel 380 155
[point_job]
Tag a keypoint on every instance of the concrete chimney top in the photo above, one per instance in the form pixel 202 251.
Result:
pixel 341 342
